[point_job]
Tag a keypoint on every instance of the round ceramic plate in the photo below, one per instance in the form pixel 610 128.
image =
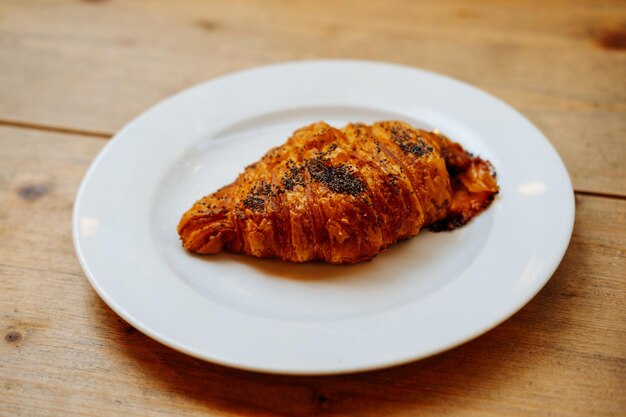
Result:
pixel 418 298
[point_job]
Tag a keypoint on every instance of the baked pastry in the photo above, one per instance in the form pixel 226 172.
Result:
pixel 342 195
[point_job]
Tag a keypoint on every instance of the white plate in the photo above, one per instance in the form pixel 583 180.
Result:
pixel 422 296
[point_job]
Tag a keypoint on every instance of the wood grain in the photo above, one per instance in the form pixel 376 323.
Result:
pixel 94 65
pixel 74 71
pixel 64 352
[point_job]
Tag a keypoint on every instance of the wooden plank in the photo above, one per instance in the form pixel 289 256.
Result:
pixel 93 65
pixel 64 352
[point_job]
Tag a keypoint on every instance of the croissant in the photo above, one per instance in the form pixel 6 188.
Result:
pixel 342 196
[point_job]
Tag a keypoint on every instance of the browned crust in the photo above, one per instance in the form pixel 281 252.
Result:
pixel 341 196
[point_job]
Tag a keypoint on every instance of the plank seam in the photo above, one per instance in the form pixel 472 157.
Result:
pixel 600 194
pixel 55 129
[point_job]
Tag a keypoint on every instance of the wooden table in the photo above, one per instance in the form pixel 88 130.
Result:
pixel 73 72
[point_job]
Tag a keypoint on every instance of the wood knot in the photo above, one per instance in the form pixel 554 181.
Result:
pixel 32 192
pixel 321 401
pixel 207 24
pixel 130 330
pixel 614 39
pixel 13 336
pixel 465 13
